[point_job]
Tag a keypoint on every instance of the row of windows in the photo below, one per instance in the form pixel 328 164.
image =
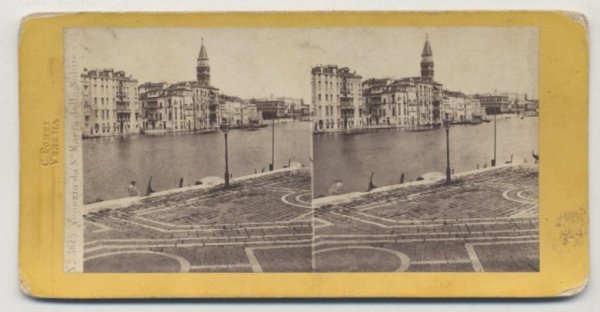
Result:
pixel 399 99
pixel 105 114
pixel 329 97
pixel 106 128
pixel 382 111
pixel 338 86
pixel 332 124
pixel 108 100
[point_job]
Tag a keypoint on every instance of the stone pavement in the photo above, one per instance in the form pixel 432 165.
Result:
pixel 484 221
pixel 258 224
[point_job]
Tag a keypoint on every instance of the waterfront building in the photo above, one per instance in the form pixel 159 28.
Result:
pixel 495 104
pixel 518 101
pixel 238 113
pixel 337 98
pixel 186 105
pixel 181 113
pixel 182 106
pixel 390 102
pixel 167 107
pixel 294 106
pixel 152 104
pixel 460 108
pixel 305 112
pixel 505 102
pixel 281 107
pixel 110 103
pixel 271 108
pixel 205 104
pixel 532 106
pixel 410 101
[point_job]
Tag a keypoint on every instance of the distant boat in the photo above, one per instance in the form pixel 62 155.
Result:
pixel 251 128
pixel 486 120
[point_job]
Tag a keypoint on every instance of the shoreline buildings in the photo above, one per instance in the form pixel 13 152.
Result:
pixel 410 102
pixel 110 103
pixel 281 107
pixel 114 104
pixel 337 98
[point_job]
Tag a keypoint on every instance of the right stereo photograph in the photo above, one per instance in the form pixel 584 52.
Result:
pixel 425 150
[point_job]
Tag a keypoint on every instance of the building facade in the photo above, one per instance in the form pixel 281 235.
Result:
pixel 182 106
pixel 237 113
pixel 495 104
pixel 337 98
pixel 110 103
pixel 389 102
pixel 272 108
pixel 411 101
pixel 460 108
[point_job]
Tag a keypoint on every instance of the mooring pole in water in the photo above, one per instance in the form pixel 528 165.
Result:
pixel 225 130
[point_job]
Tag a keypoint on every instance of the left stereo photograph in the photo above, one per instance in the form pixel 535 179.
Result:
pixel 188 156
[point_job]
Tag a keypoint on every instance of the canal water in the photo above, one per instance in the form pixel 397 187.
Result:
pixel 351 158
pixel 111 163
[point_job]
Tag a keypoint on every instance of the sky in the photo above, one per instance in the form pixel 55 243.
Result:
pixel 260 62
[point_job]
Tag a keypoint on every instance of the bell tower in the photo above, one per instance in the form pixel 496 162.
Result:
pixel 202 67
pixel 427 61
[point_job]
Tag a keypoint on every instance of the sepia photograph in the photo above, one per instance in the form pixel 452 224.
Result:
pixel 426 150
pixel 290 150
pixel 195 152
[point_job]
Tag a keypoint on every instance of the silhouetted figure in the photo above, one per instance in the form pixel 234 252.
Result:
pixel 181 182
pixel 149 189
pixel 133 191
pixel 536 157
pixel 371 185
pixel 402 178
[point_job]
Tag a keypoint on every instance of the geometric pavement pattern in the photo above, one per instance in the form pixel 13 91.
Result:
pixel 262 224
pixel 482 222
